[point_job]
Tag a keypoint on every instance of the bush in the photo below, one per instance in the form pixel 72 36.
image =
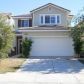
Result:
pixel 78 46
pixel 26 47
pixel 77 34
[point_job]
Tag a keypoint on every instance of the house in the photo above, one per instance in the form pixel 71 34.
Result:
pixel 49 30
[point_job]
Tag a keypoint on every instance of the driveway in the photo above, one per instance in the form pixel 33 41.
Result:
pixel 48 66
pixel 46 71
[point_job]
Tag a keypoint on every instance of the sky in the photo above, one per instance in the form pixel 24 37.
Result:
pixel 17 7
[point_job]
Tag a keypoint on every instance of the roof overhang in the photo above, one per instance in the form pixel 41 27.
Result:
pixel 23 31
pixel 20 17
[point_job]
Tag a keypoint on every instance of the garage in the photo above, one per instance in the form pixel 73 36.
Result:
pixel 52 46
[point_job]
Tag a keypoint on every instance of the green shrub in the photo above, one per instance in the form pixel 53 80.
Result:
pixel 77 34
pixel 26 47
pixel 78 46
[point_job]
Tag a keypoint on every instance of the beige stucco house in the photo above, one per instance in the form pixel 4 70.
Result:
pixel 49 30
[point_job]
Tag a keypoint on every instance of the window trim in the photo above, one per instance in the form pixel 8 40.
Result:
pixel 50 21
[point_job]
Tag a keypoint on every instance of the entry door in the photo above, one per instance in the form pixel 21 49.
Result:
pixel 19 46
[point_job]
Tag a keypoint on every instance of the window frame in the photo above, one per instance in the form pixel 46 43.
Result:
pixel 54 19
pixel 47 19
pixel 51 15
pixel 21 26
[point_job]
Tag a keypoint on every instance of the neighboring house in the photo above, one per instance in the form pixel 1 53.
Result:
pixel 48 28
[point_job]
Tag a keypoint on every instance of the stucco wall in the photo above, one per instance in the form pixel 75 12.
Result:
pixel 16 23
pixel 46 33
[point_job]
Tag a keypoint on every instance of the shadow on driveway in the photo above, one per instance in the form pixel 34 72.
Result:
pixel 47 66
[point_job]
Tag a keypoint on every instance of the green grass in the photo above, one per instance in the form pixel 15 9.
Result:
pixel 10 64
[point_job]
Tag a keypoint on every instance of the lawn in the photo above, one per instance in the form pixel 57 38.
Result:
pixel 10 64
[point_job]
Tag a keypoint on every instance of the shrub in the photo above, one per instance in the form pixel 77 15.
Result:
pixel 26 47
pixel 76 34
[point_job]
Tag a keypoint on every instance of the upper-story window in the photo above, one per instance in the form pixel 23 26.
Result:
pixel 23 23
pixel 42 19
pixel 58 19
pixel 47 19
pixel 53 19
pixel 50 19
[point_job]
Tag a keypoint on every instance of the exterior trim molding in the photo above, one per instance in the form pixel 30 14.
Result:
pixel 41 30
pixel 48 36
pixel 21 17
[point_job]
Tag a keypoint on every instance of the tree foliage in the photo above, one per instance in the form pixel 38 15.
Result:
pixel 6 36
pixel 77 34
pixel 79 17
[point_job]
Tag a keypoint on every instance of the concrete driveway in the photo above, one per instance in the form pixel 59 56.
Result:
pixel 49 66
pixel 46 71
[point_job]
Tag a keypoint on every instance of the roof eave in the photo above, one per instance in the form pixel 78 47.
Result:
pixel 43 30
pixel 20 17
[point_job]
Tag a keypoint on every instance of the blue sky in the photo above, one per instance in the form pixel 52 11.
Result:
pixel 24 6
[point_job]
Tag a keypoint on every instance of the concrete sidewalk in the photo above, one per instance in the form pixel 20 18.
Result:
pixel 35 78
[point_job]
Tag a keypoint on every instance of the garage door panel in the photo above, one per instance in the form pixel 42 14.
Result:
pixel 52 46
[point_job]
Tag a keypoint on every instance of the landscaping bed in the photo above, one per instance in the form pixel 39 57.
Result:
pixel 10 64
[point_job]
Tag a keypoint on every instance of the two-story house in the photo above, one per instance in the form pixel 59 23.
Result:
pixel 48 28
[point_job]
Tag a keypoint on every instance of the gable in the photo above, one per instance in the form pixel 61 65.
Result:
pixel 50 10
pixel 49 5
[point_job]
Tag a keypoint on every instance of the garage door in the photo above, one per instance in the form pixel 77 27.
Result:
pixel 52 46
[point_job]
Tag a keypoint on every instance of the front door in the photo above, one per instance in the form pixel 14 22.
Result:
pixel 19 46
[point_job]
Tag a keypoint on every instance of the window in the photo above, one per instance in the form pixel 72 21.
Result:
pixel 50 19
pixel 23 23
pixel 47 19
pixel 53 19
pixel 41 19
pixel 58 19
pixel 30 22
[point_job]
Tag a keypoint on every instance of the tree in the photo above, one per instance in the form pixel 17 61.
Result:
pixel 6 35
pixel 79 17
pixel 77 34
